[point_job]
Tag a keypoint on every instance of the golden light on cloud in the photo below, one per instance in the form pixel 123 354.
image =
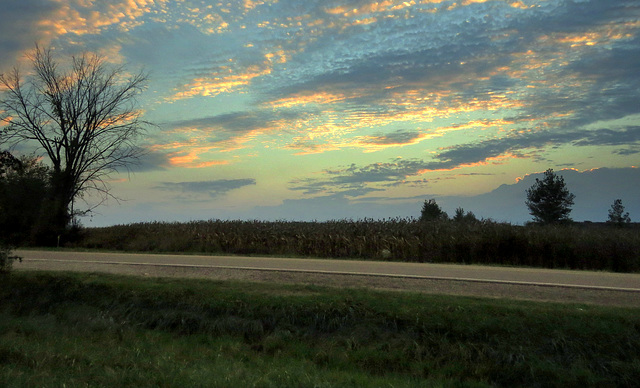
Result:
pixel 216 84
pixel 87 17
pixel 382 142
pixel 520 5
pixel 307 98
pixel 483 124
pixel 370 8
pixel 191 159
pixel 188 154
pixel 330 132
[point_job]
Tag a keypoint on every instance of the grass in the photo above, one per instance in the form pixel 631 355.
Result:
pixel 102 330
pixel 576 246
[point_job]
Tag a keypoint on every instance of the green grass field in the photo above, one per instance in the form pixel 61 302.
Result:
pixel 76 330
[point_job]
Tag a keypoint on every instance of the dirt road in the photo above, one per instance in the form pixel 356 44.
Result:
pixel 501 282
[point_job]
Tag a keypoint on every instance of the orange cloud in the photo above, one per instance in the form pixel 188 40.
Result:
pixel 327 130
pixel 308 98
pixel 371 8
pixel 228 79
pixel 521 5
pixel 217 83
pixel 188 154
pixel 378 143
pixel 191 159
pixel 90 17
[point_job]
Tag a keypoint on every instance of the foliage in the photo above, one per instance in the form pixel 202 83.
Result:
pixel 617 216
pixel 84 120
pixel 8 163
pixel 97 330
pixel 431 211
pixel 24 206
pixel 6 259
pixel 483 242
pixel 461 216
pixel 548 200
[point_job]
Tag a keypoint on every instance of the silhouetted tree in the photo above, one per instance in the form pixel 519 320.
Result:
pixel 549 201
pixel 462 216
pixel 431 211
pixel 84 119
pixel 617 215
pixel 8 163
pixel 24 189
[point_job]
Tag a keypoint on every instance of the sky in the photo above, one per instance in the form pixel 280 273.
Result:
pixel 316 110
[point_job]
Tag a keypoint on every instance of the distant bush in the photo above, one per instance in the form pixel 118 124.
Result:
pixel 573 246
pixel 6 259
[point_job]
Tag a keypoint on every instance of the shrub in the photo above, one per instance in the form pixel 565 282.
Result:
pixel 6 259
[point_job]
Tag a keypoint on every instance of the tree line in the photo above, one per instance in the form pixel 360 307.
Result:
pixel 549 202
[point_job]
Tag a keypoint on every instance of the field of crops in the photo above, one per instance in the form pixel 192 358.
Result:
pixel 596 247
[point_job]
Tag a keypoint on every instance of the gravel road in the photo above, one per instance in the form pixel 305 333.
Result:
pixel 496 282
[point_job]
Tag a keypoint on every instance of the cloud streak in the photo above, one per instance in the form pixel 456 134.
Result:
pixel 214 189
pixel 360 180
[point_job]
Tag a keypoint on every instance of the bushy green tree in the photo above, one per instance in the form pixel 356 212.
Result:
pixel 431 211
pixel 549 201
pixel 617 215
pixel 24 193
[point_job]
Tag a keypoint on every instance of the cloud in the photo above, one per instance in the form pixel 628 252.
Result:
pixel 556 66
pixel 19 27
pixel 151 161
pixel 226 132
pixel 521 144
pixel 399 137
pixel 65 22
pixel 595 191
pixel 213 188
pixel 360 180
pixel 354 181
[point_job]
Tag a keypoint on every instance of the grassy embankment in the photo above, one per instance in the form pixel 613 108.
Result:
pixel 577 246
pixel 80 329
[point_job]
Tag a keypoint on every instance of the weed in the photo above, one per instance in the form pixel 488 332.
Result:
pixel 79 330
pixel 6 259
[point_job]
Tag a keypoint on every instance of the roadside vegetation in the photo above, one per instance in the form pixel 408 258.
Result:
pixel 86 329
pixel 574 246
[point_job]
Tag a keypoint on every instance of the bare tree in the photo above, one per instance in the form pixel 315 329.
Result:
pixel 85 119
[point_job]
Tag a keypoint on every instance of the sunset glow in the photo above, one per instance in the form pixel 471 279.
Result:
pixel 358 108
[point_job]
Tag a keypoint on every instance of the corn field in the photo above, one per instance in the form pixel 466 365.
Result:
pixel 575 246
